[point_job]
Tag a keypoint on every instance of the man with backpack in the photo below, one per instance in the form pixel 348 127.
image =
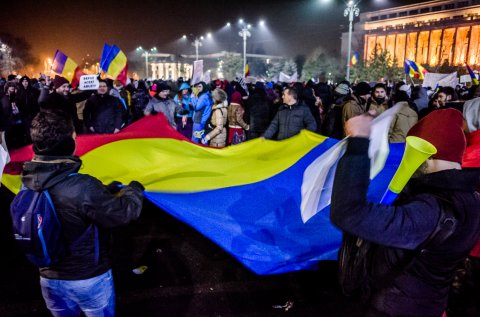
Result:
pixel 415 244
pixel 61 220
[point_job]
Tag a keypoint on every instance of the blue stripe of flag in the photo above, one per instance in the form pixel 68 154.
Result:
pixel 110 56
pixel 413 65
pixel 59 61
pixel 103 60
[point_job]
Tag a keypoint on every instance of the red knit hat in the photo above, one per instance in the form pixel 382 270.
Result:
pixel 58 81
pixel 444 129
pixel 236 97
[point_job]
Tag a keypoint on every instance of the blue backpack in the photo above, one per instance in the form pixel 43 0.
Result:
pixel 36 227
pixel 38 231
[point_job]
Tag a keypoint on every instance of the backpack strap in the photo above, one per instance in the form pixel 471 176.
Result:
pixel 445 227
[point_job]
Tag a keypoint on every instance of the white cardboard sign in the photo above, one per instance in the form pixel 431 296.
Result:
pixel 197 72
pixel 466 78
pixel 88 82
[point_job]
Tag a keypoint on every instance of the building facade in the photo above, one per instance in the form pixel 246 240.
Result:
pixel 170 67
pixel 171 70
pixel 431 33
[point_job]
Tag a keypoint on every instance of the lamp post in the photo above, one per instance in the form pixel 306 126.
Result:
pixel 245 33
pixel 351 11
pixel 197 43
pixel 146 54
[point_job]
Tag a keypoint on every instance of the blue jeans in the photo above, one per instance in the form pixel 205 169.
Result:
pixel 94 297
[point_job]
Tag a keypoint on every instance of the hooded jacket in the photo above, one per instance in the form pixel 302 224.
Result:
pixel 81 200
pixel 27 100
pixel 202 105
pixel 218 136
pixel 185 102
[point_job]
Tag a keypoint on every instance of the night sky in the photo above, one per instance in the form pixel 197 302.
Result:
pixel 81 27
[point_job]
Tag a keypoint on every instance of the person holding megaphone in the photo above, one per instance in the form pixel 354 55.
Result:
pixel 405 254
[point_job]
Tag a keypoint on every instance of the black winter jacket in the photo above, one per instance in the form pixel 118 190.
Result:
pixel 257 112
pixel 289 121
pixel 7 118
pixel 421 287
pixel 27 103
pixel 81 200
pixel 67 104
pixel 103 113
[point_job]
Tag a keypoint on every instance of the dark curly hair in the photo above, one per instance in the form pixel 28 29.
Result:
pixel 52 133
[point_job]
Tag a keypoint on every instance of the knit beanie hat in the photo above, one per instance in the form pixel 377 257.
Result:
pixel 236 97
pixel 363 88
pixel 444 129
pixel 342 88
pixel 58 81
pixel 162 86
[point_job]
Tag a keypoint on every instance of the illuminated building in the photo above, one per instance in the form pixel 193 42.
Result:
pixel 428 33
pixel 170 66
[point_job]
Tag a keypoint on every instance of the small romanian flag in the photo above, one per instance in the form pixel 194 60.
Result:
pixel 414 70
pixel 354 59
pixel 472 75
pixel 247 70
pixel 114 62
pixel 67 68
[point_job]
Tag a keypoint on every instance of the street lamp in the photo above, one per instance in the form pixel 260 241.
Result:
pixel 145 53
pixel 197 43
pixel 244 33
pixel 351 11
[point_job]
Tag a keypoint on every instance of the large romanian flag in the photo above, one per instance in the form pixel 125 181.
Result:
pixel 265 202
pixel 67 68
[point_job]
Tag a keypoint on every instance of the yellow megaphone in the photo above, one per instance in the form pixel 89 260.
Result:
pixel 417 151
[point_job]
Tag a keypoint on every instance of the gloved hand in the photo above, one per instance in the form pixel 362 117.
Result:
pixel 114 187
pixel 204 141
pixel 137 185
pixel 198 134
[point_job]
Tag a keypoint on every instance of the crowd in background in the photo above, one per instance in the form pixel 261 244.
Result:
pixel 221 112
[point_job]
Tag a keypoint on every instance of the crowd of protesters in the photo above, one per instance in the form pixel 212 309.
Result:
pixel 261 109
pixel 222 113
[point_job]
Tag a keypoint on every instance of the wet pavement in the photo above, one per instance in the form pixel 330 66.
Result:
pixel 187 275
